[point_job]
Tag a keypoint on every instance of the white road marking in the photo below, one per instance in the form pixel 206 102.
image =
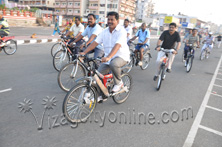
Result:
pixel 5 90
pixel 33 41
pixel 214 108
pixel 210 130
pixel 216 94
pixel 217 85
pixel 218 79
pixel 193 131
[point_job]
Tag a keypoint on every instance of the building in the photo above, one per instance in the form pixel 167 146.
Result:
pixel 145 8
pixel 100 8
pixel 42 4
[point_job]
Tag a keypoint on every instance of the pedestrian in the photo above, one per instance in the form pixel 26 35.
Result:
pixel 56 29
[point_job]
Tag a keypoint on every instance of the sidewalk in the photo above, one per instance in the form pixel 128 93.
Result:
pixel 46 39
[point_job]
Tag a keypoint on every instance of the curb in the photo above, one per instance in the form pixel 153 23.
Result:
pixel 32 41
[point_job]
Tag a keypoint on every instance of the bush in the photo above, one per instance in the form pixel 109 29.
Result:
pixel 2 6
pixel 33 9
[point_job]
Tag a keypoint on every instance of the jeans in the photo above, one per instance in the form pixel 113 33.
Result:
pixel 186 51
pixel 3 33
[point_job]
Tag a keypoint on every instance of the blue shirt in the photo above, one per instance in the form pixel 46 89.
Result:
pixel 143 35
pixel 89 31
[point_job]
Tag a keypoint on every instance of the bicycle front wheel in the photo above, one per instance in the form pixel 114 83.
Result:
pixel 146 61
pixel 69 74
pixel 189 63
pixel 55 48
pixel 160 78
pixel 202 55
pixel 60 59
pixel 75 108
pixel 10 47
pixel 127 82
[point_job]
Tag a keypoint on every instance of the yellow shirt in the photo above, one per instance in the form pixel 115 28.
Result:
pixel 67 28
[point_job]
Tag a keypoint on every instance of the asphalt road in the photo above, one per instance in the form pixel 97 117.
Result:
pixel 29 74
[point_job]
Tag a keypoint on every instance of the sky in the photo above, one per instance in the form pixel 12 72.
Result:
pixel 206 10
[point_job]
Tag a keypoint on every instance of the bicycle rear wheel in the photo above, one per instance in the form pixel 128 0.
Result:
pixel 60 59
pixel 10 47
pixel 69 74
pixel 122 97
pixel 55 48
pixel 146 61
pixel 160 77
pixel 74 107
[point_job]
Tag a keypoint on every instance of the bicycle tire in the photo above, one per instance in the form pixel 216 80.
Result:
pixel 189 64
pixel 146 62
pixel 66 79
pixel 79 104
pixel 9 47
pixel 61 61
pixel 160 79
pixel 127 81
pixel 202 55
pixel 54 49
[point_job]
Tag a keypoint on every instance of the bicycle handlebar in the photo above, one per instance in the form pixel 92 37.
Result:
pixel 167 50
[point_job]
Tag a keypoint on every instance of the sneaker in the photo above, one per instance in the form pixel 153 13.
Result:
pixel 164 76
pixel 100 99
pixel 118 87
pixel 168 70
pixel 2 44
pixel 155 78
pixel 86 98
pixel 140 63
pixel 185 64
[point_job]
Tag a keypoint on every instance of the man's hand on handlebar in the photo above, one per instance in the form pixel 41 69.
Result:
pixel 175 52
pixel 157 48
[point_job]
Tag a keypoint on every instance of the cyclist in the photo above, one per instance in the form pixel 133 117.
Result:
pixel 169 38
pixel 143 41
pixel 92 31
pixel 200 37
pixel 191 39
pixel 128 29
pixel 218 41
pixel 67 28
pixel 184 41
pixel 76 30
pixel 4 29
pixel 116 50
pixel 208 42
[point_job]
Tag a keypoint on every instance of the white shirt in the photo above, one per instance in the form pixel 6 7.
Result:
pixel 129 31
pixel 109 40
pixel 76 29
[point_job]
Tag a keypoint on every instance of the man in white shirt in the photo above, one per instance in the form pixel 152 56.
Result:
pixel 92 31
pixel 116 50
pixel 128 29
pixel 76 30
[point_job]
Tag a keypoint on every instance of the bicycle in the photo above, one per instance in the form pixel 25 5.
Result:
pixel 64 56
pixel 204 53
pixel 81 100
pixel 163 66
pixel 134 59
pixel 70 72
pixel 11 45
pixel 59 45
pixel 190 57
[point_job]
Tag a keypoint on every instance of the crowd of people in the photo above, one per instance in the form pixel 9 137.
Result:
pixel 112 43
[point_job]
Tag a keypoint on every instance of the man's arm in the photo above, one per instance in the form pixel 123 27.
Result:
pixel 145 41
pixel 90 39
pixel 178 46
pixel 90 47
pixel 132 39
pixel 78 38
pixel 112 53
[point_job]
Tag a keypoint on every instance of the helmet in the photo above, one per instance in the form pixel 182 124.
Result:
pixel 210 33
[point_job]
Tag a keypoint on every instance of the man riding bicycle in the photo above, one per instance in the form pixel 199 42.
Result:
pixel 194 40
pixel 4 29
pixel 67 28
pixel 169 39
pixel 76 30
pixel 128 29
pixel 208 42
pixel 92 31
pixel 116 50
pixel 143 41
